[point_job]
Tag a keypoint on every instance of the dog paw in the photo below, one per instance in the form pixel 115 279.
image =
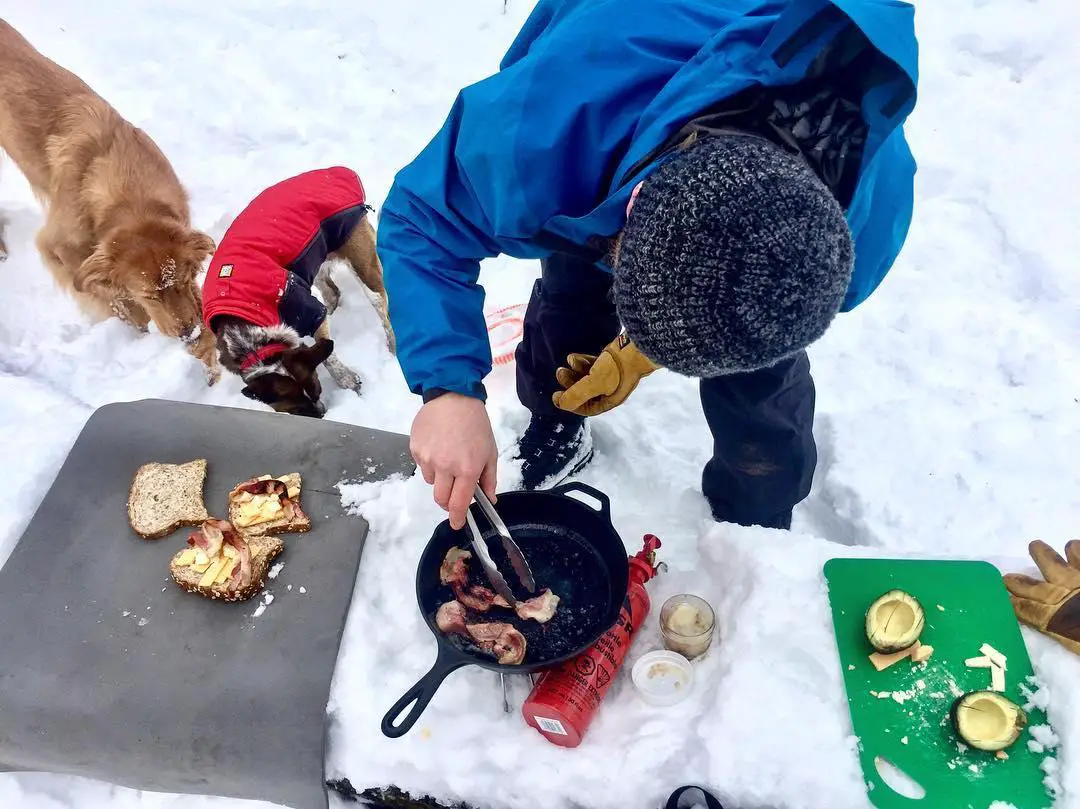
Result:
pixel 343 375
pixel 352 382
pixel 213 376
pixel 347 379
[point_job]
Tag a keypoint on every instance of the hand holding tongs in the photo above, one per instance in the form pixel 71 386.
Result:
pixel 521 567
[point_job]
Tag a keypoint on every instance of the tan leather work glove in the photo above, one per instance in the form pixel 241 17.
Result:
pixel 594 385
pixel 1051 606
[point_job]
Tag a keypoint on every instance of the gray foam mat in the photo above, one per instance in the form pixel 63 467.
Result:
pixel 108 670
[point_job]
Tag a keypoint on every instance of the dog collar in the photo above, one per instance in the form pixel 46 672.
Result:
pixel 260 355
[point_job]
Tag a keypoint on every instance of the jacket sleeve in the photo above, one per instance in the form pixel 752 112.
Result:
pixel 434 229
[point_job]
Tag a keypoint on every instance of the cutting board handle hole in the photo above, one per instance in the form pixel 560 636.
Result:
pixel 899 781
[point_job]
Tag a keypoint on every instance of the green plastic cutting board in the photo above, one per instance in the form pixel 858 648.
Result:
pixel 966 605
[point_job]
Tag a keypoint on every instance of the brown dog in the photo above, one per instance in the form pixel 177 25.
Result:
pixel 117 233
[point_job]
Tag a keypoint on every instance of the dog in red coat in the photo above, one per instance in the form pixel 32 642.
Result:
pixel 257 296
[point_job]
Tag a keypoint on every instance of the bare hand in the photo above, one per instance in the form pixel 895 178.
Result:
pixel 454 447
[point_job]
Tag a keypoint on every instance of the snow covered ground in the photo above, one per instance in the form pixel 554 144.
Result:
pixel 948 417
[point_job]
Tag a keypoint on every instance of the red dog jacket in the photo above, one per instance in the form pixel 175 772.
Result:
pixel 263 268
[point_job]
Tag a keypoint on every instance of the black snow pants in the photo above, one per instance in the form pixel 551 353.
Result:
pixel 762 421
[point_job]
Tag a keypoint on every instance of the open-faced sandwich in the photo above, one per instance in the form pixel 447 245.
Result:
pixel 167 496
pixel 223 564
pixel 267 505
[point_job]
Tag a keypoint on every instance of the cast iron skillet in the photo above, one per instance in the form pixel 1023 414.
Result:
pixel 571 547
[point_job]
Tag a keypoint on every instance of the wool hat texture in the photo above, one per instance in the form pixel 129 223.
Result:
pixel 734 256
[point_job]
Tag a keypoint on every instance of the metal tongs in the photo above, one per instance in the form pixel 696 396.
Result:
pixel 517 561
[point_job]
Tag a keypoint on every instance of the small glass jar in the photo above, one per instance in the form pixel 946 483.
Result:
pixel 686 625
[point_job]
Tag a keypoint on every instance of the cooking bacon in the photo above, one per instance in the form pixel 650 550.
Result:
pixel 451 618
pixel 477 597
pixel 510 647
pixel 453 570
pixel 487 633
pixel 500 640
pixel 540 609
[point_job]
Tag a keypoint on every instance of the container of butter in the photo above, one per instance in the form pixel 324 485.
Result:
pixel 687 625
pixel 663 677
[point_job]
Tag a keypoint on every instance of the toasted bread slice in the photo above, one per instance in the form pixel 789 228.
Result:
pixel 263 552
pixel 262 513
pixel 167 496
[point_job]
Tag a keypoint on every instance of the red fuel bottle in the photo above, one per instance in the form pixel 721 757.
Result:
pixel 565 699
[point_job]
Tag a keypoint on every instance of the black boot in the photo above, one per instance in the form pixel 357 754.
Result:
pixel 552 449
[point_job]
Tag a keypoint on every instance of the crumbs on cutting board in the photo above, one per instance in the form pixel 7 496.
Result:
pixel 267 600
pixel 141 620
pixel 273 572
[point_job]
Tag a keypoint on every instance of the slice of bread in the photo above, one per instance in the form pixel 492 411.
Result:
pixel 263 552
pixel 298 523
pixel 167 496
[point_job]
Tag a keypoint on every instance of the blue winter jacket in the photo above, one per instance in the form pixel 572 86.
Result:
pixel 539 154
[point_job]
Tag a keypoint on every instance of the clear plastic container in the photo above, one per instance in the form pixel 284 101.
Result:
pixel 663 678
pixel 687 625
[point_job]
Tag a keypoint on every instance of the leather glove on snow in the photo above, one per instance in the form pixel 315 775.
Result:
pixel 596 384
pixel 1052 606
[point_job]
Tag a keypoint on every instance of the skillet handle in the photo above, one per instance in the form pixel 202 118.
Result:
pixel 595 494
pixel 447 662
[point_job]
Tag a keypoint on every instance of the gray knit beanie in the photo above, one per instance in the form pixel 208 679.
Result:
pixel 734 256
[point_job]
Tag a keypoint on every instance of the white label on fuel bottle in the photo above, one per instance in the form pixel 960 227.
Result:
pixel 551 726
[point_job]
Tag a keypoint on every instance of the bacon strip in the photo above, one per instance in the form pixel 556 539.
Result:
pixel 291 509
pixel 476 597
pixel 500 640
pixel 245 567
pixel 451 618
pixel 453 570
pixel 487 633
pixel 509 649
pixel 540 609
pixel 210 536
pixel 272 486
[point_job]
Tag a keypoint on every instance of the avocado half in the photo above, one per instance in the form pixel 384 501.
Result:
pixel 894 621
pixel 987 721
